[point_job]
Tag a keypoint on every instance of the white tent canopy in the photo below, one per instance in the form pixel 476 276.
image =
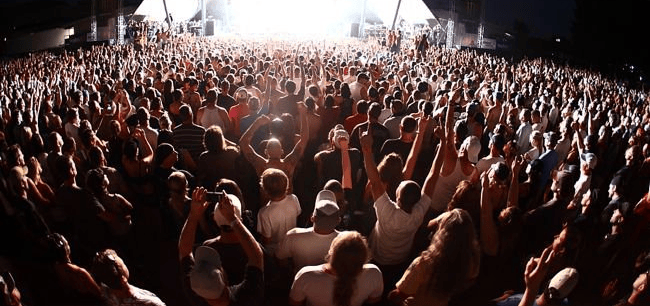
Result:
pixel 180 10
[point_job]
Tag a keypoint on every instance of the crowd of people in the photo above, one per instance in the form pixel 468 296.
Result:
pixel 265 172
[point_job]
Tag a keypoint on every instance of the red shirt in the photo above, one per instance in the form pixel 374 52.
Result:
pixel 354 120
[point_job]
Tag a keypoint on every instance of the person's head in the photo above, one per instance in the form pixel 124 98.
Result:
pixel 207 278
pixel 408 127
pixel 498 175
pixel 185 114
pixel 109 269
pixel 588 162
pixel 347 255
pixel 336 187
pixel 470 149
pixel 220 220
pixel 58 248
pixel 390 173
pixel 326 215
pixel 66 168
pixel 97 182
pixel 408 194
pixel 551 139
pixel 525 115
pixel 211 96
pixel 454 253
pixel 562 185
pixel 496 144
pixel 363 78
pixel 337 134
pixel 143 116
pixel 396 107
pixel 177 183
pixel 560 286
pixel 616 186
pixel 374 111
pixel 290 86
pixel 274 149
pixel 224 86
pixel 241 96
pixel 213 139
pixel 166 156
pixel 633 155
pixel 362 107
pixel 274 183
pixel 536 139
pixel 253 105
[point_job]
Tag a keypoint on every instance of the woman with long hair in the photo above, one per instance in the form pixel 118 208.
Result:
pixel 448 266
pixel 346 279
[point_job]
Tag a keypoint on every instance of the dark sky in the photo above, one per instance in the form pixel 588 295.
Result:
pixel 545 18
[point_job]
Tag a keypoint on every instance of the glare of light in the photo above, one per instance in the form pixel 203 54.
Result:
pixel 558 40
pixel 281 17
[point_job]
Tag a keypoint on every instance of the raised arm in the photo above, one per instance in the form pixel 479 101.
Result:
pixel 148 151
pixel 376 185
pixel 346 165
pixel 294 156
pixel 412 159
pixel 249 245
pixel 513 192
pixel 188 233
pixel 488 234
pixel 245 142
pixel 434 173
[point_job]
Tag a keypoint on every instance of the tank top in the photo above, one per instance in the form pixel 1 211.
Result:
pixel 211 117
pixel 446 187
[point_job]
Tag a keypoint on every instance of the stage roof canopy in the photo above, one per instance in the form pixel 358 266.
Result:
pixel 290 15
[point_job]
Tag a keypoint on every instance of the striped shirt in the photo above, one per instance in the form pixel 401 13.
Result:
pixel 189 137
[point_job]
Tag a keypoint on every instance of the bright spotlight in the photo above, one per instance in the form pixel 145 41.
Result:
pixel 290 17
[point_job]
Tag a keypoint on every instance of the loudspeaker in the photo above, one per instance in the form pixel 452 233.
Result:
pixel 354 30
pixel 209 27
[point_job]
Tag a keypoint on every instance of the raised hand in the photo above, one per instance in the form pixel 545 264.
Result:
pixel 199 204
pixel 226 208
pixel 537 268
pixel 366 140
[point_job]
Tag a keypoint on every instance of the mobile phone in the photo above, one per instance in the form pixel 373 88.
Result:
pixel 214 197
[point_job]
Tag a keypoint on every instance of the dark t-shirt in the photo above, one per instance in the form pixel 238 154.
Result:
pixel 226 101
pixel 396 146
pixel 332 168
pixel 379 135
pixel 249 292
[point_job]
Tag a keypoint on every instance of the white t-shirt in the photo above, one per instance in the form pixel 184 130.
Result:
pixel 486 162
pixel 276 218
pixel 140 297
pixel 523 137
pixel 385 114
pixel 306 247
pixel 355 90
pixel 392 237
pixel 316 287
